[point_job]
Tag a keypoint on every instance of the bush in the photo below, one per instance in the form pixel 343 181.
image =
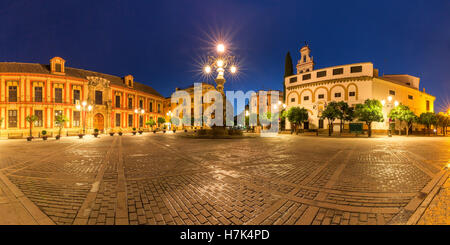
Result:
pixel 96 130
pixel 44 132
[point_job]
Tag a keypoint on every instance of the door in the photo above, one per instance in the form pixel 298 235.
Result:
pixel 99 122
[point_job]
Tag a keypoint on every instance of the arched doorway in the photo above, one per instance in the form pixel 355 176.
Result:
pixel 99 122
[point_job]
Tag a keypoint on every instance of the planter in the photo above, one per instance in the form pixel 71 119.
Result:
pixel 164 131
pixel 95 135
pixel 120 133
pixel 140 132
pixel 134 133
pixel 185 130
pixel 112 134
pixel 44 137
pixel 57 137
pixel 80 136
pixel 29 138
pixel 154 131
pixel 174 131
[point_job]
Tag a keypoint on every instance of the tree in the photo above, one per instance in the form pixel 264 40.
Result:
pixel 427 119
pixel 297 116
pixel 403 114
pixel 186 121
pixel 288 71
pixel 175 121
pixel 60 120
pixel 331 112
pixel 443 121
pixel 161 120
pixel 370 111
pixel 346 114
pixel 31 119
pixel 150 122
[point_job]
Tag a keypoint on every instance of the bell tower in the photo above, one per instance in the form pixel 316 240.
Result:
pixel 306 63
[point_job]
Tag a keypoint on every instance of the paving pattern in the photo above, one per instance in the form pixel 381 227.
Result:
pixel 170 179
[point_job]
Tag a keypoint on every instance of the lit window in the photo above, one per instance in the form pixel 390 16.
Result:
pixel 321 96
pixel 337 95
pixel 351 93
pixel 306 98
pixel 391 92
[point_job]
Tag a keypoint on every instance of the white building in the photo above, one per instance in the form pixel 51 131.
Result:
pixel 352 83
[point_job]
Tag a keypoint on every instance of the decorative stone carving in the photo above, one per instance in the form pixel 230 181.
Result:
pixel 96 81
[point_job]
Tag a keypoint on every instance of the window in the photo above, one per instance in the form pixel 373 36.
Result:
pixel 410 97
pixel 355 69
pixel 117 101
pixel 39 122
pixel 306 77
pixel 391 92
pixel 305 97
pixel 304 58
pixel 321 96
pixel 37 94
pixel 338 71
pixel 141 104
pixel 117 119
pixel 293 79
pixel 141 121
pixel 321 73
pixel 292 99
pixel 159 108
pixel 12 93
pixel 57 113
pixel 76 118
pixel 151 106
pixel 352 93
pixel 130 103
pixel 76 96
pixel 409 84
pixel 12 118
pixel 98 97
pixel 58 95
pixel 58 67
pixel 130 120
pixel 337 95
pixel 428 105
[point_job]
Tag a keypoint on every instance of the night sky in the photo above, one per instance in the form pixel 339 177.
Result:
pixel 161 42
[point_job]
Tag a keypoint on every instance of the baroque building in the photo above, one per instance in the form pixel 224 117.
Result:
pixel 352 83
pixel 112 103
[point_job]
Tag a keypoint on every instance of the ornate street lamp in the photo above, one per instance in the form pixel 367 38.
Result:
pixel 219 64
pixel 84 106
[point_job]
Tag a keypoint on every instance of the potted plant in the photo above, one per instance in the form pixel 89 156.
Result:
pixel 111 133
pixel 80 136
pixel 174 130
pixel 96 132
pixel 44 134
pixel 60 120
pixel 140 131
pixel 134 131
pixel 151 123
pixel 31 119
pixel 120 133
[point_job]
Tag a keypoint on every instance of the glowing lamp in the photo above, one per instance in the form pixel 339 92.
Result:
pixel 396 103
pixel 220 48
pixel 207 69
pixel 233 69
pixel 142 111
pixel 220 63
pixel 383 102
pixel 78 107
pixel 135 110
pixel 84 103
pixel 390 98
pixel 89 108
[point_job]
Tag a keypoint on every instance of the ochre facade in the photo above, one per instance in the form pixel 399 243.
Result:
pixel 116 103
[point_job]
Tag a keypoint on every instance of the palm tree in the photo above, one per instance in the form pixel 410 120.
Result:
pixel 31 119
pixel 60 120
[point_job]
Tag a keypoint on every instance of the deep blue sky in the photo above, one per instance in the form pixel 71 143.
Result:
pixel 159 42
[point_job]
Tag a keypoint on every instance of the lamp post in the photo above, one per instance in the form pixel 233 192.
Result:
pixel 219 64
pixel 83 108
pixel 391 105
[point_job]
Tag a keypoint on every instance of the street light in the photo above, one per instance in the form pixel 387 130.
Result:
pixel 83 110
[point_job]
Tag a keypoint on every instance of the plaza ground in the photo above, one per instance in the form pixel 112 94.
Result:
pixel 168 179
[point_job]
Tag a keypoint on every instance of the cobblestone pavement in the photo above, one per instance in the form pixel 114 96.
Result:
pixel 169 179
